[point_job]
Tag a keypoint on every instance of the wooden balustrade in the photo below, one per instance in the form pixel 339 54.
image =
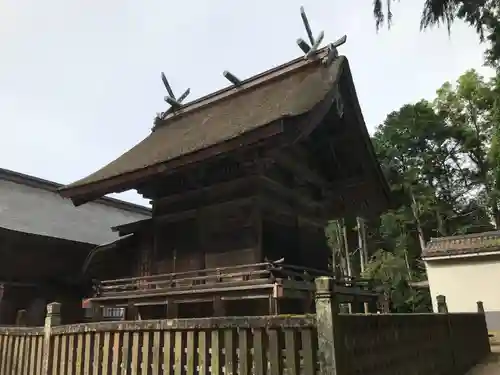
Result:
pixel 224 277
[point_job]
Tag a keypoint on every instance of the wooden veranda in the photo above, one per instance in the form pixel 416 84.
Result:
pixel 272 288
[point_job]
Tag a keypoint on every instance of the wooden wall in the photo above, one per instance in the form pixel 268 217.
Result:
pixel 217 236
pixel 233 213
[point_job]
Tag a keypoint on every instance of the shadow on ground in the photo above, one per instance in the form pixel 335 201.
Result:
pixel 490 365
pixel 494 357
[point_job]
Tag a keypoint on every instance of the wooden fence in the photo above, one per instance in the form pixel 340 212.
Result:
pixel 324 343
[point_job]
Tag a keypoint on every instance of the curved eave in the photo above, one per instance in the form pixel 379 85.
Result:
pixel 116 184
pixel 383 183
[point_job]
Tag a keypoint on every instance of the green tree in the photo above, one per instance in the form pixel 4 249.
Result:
pixel 416 150
pixel 482 15
pixel 433 188
pixel 442 162
pixel 471 110
pixel 391 271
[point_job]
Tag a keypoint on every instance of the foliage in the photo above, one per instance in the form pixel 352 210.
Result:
pixel 391 270
pixel 482 15
pixel 471 112
pixel 442 162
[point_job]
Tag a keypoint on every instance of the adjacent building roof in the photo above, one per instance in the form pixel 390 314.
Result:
pixel 468 244
pixel 256 107
pixel 32 205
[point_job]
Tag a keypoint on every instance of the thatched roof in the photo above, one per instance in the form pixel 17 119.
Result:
pixel 223 121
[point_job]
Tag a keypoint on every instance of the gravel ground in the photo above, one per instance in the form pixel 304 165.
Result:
pixel 491 365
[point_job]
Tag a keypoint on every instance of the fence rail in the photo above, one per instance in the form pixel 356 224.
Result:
pixel 324 343
pixel 21 350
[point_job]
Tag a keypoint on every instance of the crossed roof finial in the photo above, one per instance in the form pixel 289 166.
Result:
pixel 310 50
pixel 175 103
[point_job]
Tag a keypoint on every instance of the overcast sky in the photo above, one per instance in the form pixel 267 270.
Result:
pixel 80 79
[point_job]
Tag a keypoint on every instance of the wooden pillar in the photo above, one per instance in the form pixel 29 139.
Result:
pixel 53 318
pixel 131 312
pixel 95 312
pixel 219 307
pixel 363 254
pixel 371 307
pixel 72 311
pixel 442 306
pixel 307 304
pixel 21 318
pixel 274 306
pixel 329 345
pixel 172 310
pixel 7 309
pixel 347 252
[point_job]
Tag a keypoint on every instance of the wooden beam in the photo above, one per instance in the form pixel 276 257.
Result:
pixel 178 216
pixel 292 163
pixel 197 177
pixel 267 203
pixel 208 191
pixel 348 184
pixel 275 186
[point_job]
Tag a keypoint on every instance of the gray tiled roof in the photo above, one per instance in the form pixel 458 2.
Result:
pixel 32 205
pixel 477 243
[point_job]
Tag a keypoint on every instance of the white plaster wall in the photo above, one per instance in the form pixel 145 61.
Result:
pixel 465 281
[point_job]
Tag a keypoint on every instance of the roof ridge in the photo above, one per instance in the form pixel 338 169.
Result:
pixel 465 236
pixel 246 84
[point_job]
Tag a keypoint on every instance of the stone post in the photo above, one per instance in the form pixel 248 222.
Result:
pixel 480 307
pixel 480 310
pixel 327 309
pixel 366 308
pixel 383 304
pixel 442 306
pixel 53 318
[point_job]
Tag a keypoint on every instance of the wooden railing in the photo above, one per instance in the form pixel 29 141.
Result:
pixel 327 343
pixel 106 314
pixel 225 275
